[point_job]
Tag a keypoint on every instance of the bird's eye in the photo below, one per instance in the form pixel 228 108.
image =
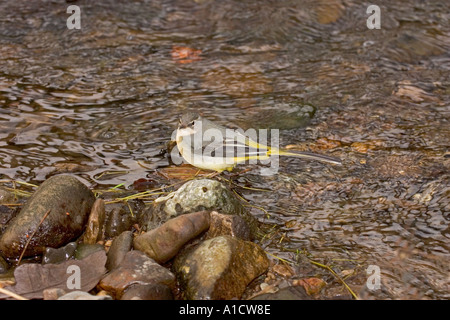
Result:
pixel 192 123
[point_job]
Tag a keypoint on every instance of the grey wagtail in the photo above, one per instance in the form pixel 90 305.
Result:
pixel 207 145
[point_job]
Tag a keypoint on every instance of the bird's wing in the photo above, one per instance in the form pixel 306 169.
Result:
pixel 220 142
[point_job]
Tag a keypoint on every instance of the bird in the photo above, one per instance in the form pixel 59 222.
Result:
pixel 210 146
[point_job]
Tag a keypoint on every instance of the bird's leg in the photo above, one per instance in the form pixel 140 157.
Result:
pixel 213 174
pixel 240 172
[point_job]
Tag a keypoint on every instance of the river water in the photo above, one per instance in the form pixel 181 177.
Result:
pixel 102 101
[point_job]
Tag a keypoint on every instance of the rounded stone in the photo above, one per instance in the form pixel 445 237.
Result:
pixel 219 268
pixel 68 203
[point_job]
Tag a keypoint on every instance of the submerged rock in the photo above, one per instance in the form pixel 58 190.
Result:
pixel 136 267
pixel 6 196
pixel 68 202
pixel 194 196
pixel 219 268
pixel 311 285
pixel 286 116
pixel 164 242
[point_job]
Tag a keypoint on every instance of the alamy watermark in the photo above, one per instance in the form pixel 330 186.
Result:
pixel 373 282
pixel 374 20
pixel 74 280
pixel 74 21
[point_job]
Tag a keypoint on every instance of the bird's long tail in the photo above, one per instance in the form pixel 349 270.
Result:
pixel 265 151
pixel 306 155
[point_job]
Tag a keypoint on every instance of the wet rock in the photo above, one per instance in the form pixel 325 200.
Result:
pixel 200 194
pixel 6 214
pixel 119 248
pixel 94 227
pixel 363 147
pixel 81 295
pixel 286 116
pixel 120 218
pixel 155 291
pixel 4 266
pixel 288 293
pixel 312 285
pixel 59 255
pixel 164 242
pixel 219 268
pixel 194 196
pixel 429 191
pixel 53 293
pixel 136 267
pixel 83 250
pixel 224 224
pixel 69 202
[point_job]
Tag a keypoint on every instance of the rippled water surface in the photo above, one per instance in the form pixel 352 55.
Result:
pixel 102 102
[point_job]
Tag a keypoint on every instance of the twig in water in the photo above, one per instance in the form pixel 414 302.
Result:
pixel 143 166
pixel 32 235
pixel 129 207
pixel 279 258
pixel 19 182
pixel 336 275
pixel 12 294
